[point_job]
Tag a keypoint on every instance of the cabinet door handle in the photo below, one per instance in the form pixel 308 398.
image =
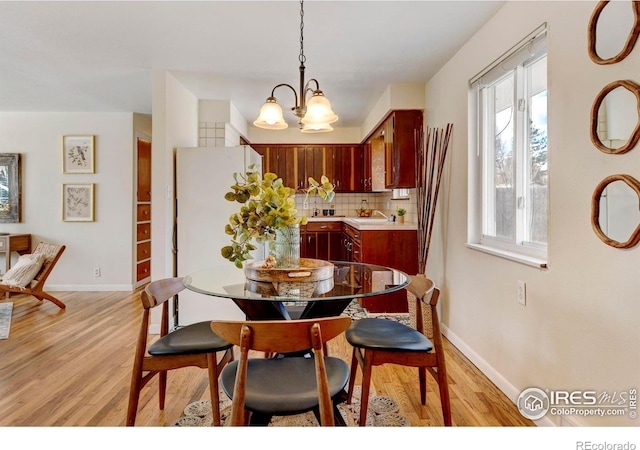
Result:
pixel 324 226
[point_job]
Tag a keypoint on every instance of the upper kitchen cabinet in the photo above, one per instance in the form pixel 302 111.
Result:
pixel 373 163
pixel 347 168
pixel 281 160
pixel 341 164
pixel 391 151
pixel 295 163
pixel 402 140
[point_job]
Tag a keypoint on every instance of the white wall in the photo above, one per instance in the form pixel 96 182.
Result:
pixel 175 124
pixel 106 242
pixel 396 96
pixel 579 329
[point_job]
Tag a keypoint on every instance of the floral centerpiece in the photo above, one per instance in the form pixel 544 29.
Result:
pixel 268 206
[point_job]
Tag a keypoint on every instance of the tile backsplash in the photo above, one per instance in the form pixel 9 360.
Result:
pixel 346 204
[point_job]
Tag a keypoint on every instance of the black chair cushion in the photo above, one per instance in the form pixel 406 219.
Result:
pixel 195 338
pixel 284 386
pixel 384 334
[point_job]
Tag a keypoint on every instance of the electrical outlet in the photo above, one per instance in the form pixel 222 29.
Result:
pixel 305 205
pixel 522 293
pixel 96 271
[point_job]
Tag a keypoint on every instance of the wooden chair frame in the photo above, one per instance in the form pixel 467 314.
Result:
pixel 433 361
pixel 155 294
pixel 36 288
pixel 281 336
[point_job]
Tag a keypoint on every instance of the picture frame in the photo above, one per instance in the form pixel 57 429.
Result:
pixel 10 188
pixel 78 153
pixel 78 203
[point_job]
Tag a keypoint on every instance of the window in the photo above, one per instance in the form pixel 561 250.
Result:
pixel 508 166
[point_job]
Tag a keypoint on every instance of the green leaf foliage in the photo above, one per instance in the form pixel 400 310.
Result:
pixel 267 205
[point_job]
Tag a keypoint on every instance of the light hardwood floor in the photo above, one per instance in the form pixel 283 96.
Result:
pixel 72 368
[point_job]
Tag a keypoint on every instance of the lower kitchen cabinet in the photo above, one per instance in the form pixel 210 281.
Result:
pixel 321 240
pixel 397 249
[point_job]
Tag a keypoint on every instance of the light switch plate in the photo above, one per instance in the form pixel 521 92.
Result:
pixel 522 293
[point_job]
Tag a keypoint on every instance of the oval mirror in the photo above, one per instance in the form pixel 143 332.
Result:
pixel 615 117
pixel 615 214
pixel 613 31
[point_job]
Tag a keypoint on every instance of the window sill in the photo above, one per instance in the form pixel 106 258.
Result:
pixel 511 256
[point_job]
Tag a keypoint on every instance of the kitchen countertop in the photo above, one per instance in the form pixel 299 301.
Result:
pixel 359 224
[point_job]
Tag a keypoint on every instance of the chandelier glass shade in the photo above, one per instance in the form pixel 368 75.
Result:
pixel 314 115
pixel 271 116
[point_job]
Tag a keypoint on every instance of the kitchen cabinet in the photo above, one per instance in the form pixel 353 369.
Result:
pixel 318 161
pixel 392 248
pixel 403 135
pixel 281 160
pixel 351 244
pixel 391 152
pixel 294 163
pixel 347 163
pixel 373 163
pixel 321 240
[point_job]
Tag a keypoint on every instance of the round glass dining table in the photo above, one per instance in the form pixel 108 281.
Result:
pixel 295 299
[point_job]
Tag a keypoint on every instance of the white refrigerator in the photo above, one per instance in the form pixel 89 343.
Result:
pixel 203 176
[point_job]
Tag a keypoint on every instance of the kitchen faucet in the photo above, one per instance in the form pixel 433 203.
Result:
pixel 379 212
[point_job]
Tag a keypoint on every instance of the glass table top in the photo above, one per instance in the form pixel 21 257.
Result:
pixel 349 281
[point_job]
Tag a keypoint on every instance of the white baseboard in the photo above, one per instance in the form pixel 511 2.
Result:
pixel 490 372
pixel 89 287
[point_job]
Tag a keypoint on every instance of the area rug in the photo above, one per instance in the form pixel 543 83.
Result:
pixel 355 311
pixel 5 319
pixel 383 412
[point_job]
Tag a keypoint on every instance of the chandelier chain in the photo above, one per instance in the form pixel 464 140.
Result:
pixel 302 58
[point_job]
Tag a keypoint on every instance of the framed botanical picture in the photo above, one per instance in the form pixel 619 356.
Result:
pixel 10 188
pixel 78 202
pixel 78 154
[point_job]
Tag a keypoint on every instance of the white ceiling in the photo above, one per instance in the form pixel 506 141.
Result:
pixel 99 56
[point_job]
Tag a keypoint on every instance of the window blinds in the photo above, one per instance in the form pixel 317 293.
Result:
pixel 528 49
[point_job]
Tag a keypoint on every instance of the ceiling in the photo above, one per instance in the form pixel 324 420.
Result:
pixel 99 56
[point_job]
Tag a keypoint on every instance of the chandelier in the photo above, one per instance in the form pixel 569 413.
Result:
pixel 315 114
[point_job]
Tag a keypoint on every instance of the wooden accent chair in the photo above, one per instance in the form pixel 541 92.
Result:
pixel 284 385
pixel 192 345
pixel 382 341
pixel 52 253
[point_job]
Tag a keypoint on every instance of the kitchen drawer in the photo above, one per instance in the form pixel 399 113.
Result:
pixel 352 232
pixel 144 213
pixel 143 232
pixel 356 252
pixel 324 226
pixel 144 251
pixel 143 270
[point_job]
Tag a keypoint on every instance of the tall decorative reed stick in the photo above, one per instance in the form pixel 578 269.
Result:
pixel 430 167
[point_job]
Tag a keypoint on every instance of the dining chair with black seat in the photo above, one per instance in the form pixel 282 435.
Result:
pixel 192 345
pixel 261 388
pixel 378 341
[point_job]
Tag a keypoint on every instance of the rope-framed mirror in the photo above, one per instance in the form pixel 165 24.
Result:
pixel 609 209
pixel 613 111
pixel 602 52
